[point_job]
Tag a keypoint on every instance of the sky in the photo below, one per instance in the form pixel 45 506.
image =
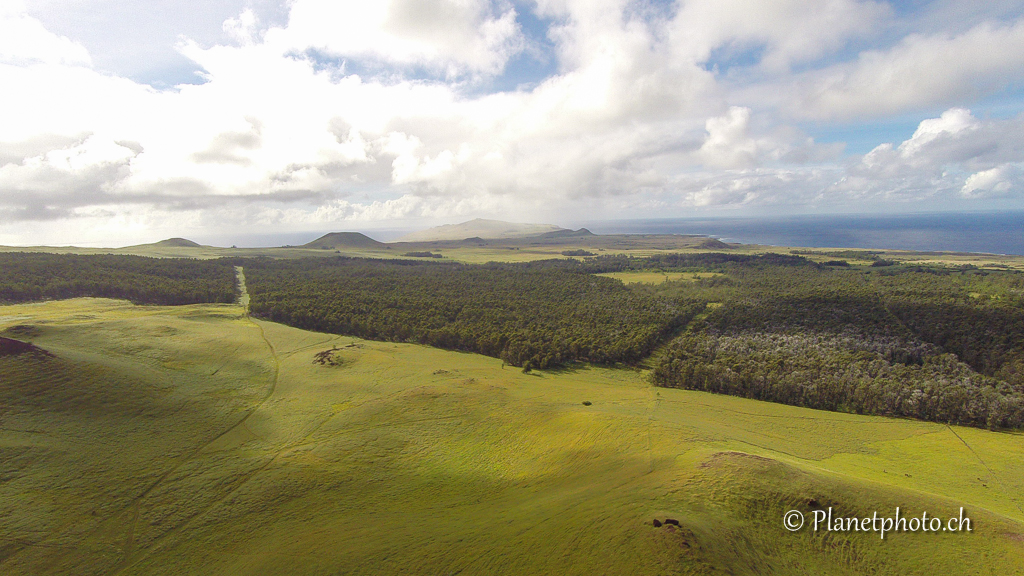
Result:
pixel 129 121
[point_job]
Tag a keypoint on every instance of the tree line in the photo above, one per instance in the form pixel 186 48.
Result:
pixel 168 281
pixel 932 343
pixel 534 316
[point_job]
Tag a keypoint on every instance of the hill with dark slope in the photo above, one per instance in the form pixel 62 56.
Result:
pixel 11 347
pixel 336 240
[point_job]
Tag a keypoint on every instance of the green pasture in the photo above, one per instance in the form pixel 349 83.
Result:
pixel 194 440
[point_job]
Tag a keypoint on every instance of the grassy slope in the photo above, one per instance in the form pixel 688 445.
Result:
pixel 193 440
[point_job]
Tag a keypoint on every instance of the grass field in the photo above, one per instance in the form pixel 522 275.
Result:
pixel 194 440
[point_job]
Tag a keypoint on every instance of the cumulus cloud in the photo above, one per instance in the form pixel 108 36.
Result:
pixel 230 147
pixel 921 70
pixel 788 32
pixel 952 155
pixel 50 185
pixel 729 144
pixel 453 36
pixel 1000 181
pixel 956 138
pixel 951 124
pixel 732 144
pixel 372 111
pixel 243 28
pixel 24 40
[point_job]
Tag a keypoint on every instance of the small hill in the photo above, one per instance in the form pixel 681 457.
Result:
pixel 481 228
pixel 176 243
pixel 338 240
pixel 165 244
pixel 22 331
pixel 567 233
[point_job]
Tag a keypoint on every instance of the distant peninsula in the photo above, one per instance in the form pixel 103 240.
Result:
pixel 481 228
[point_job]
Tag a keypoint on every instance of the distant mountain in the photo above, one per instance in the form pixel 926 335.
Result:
pixel 338 240
pixel 567 233
pixel 481 228
pixel 176 243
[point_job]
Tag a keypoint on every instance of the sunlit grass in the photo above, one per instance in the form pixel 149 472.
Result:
pixel 194 440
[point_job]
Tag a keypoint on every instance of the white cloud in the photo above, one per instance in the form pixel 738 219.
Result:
pixel 956 138
pixel 954 155
pixel 243 28
pixel 24 40
pixel 788 31
pixel 994 182
pixel 632 117
pixel 920 71
pixel 453 36
pixel 732 144
pixel 729 144
pixel 950 124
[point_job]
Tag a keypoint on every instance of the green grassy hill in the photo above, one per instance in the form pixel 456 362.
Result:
pixel 342 241
pixel 193 440
pixel 177 243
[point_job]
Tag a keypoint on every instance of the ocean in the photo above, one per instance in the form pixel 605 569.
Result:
pixel 991 232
